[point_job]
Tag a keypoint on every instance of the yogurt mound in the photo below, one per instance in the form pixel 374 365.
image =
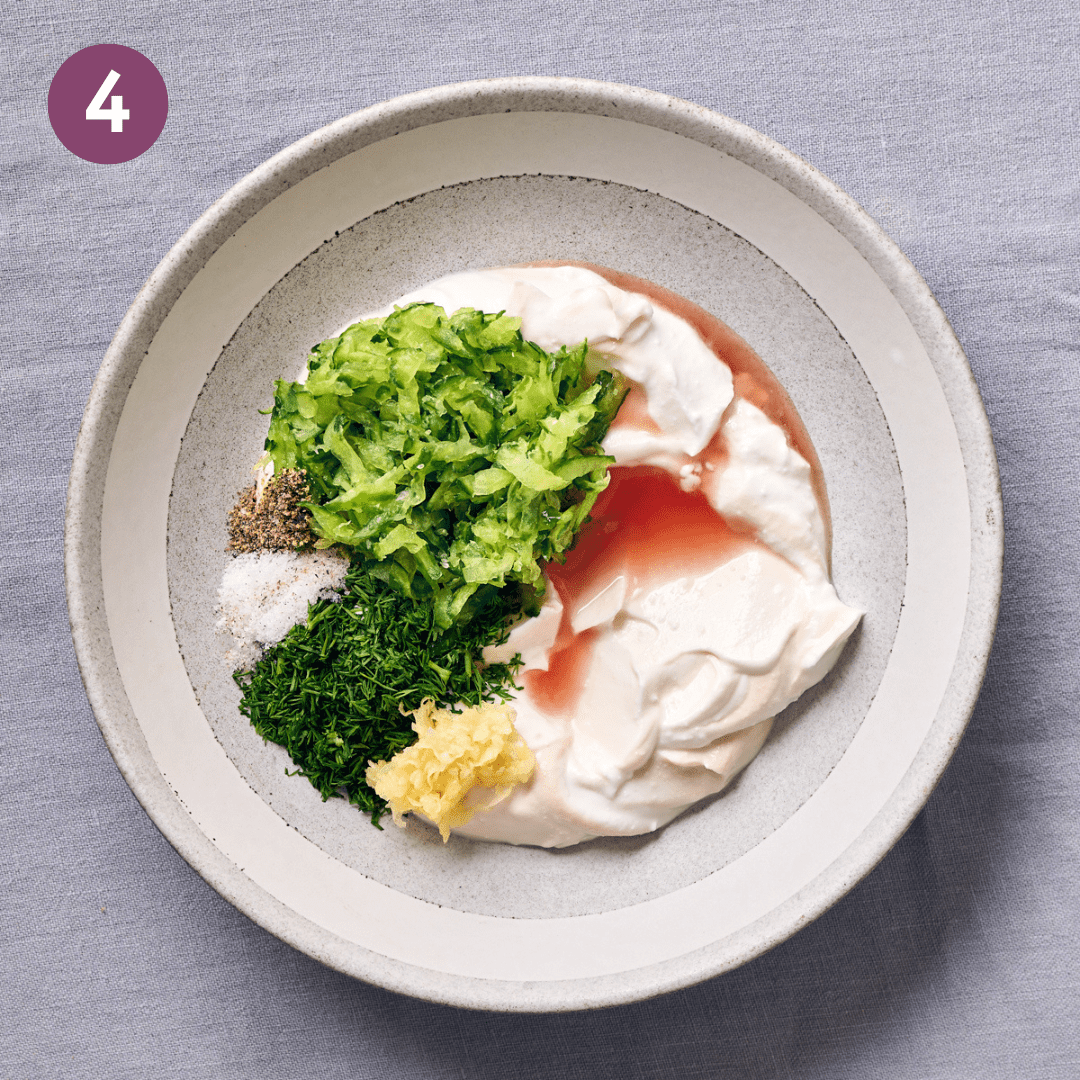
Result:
pixel 694 607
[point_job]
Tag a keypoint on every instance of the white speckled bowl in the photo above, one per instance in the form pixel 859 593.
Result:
pixel 492 173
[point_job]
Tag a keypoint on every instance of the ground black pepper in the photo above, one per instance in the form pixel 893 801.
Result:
pixel 274 521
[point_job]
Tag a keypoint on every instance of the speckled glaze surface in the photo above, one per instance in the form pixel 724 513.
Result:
pixel 851 389
pixel 524 218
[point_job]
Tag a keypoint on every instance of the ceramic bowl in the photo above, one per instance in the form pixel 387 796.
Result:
pixel 492 173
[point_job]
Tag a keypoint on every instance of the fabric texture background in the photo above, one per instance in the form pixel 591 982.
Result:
pixel 955 125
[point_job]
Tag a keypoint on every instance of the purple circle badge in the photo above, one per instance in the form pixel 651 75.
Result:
pixel 108 103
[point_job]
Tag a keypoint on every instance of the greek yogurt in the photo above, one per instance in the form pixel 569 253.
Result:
pixel 696 605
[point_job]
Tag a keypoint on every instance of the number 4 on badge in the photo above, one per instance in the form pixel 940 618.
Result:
pixel 129 132
pixel 116 111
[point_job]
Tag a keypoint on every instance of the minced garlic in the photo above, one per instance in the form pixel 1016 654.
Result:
pixel 455 753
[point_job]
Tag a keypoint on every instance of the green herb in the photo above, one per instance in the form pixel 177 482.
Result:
pixel 448 453
pixel 332 691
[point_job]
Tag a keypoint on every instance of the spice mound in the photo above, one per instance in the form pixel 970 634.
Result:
pixel 269 516
pixel 455 754
pixel 264 594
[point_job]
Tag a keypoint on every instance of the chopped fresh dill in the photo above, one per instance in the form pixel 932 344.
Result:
pixel 331 692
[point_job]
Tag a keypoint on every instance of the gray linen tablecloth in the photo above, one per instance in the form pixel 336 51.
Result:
pixel 955 124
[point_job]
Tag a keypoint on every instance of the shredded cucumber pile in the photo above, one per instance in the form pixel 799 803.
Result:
pixel 449 454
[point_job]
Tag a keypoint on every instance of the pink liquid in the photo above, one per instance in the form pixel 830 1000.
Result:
pixel 644 525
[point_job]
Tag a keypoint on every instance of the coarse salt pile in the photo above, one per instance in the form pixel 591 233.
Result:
pixel 264 594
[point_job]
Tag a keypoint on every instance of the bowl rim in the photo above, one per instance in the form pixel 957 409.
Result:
pixel 221 220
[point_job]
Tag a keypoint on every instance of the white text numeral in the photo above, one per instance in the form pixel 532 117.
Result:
pixel 116 111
